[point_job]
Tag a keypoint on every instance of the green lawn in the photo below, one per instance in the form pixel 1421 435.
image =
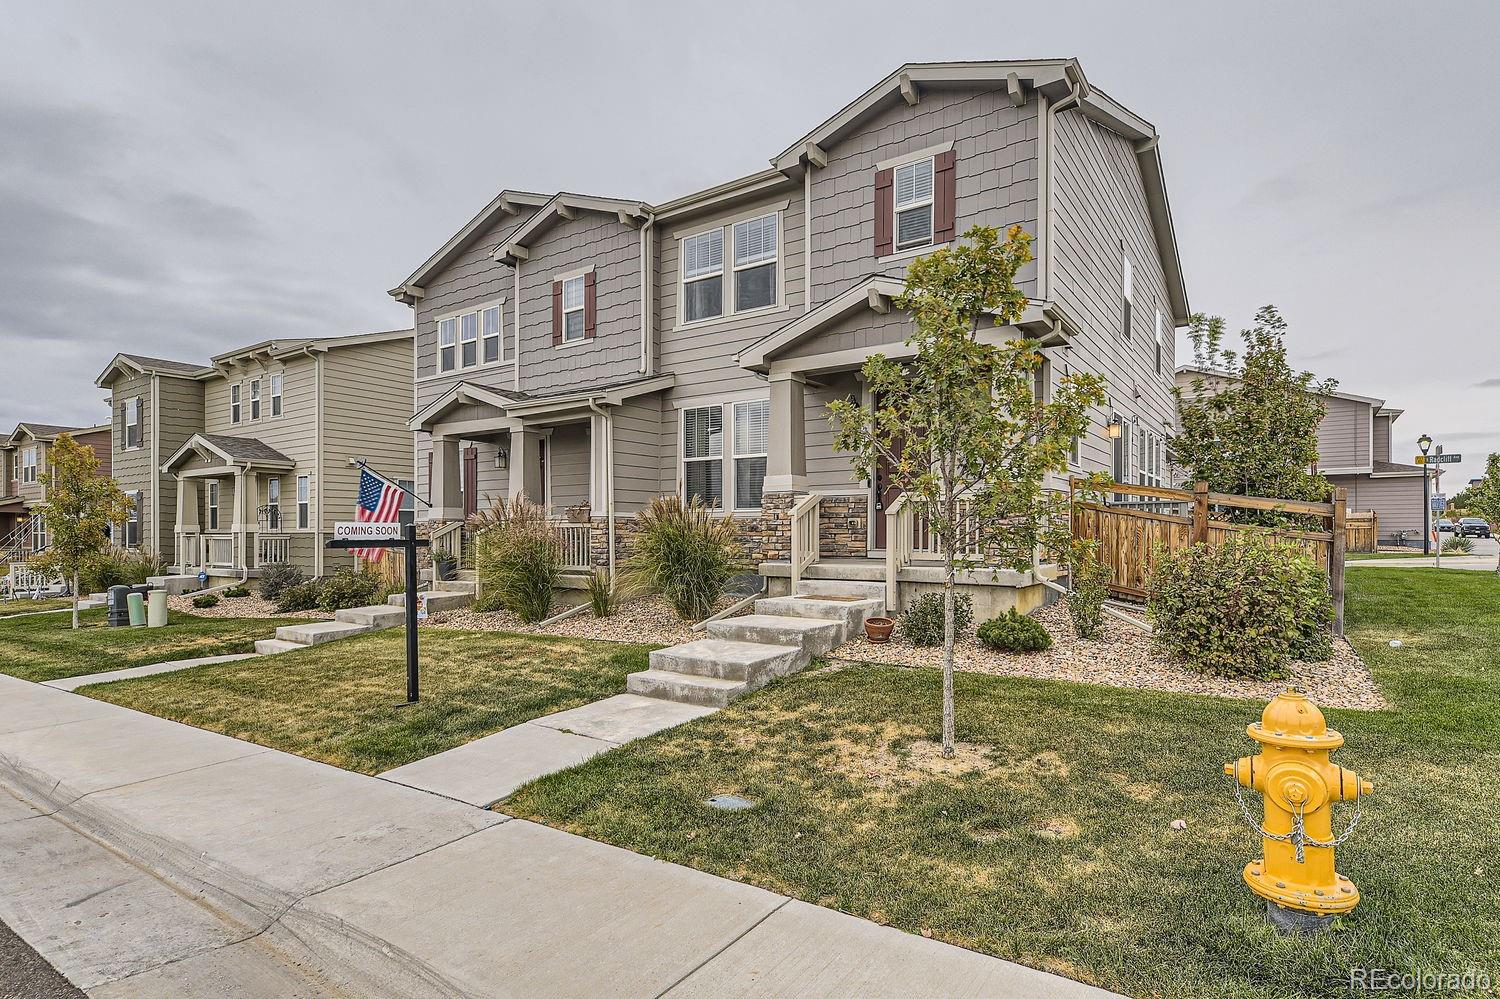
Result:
pixel 45 647
pixel 1363 556
pixel 339 702
pixel 10 608
pixel 1056 851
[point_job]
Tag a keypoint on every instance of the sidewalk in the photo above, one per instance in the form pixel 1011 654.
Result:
pixel 157 859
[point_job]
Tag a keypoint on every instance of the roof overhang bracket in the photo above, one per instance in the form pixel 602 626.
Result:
pixel 566 211
pixel 1015 89
pixel 817 155
pixel 909 92
pixel 878 302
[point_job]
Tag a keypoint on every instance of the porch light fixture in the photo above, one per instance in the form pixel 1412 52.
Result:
pixel 1116 427
pixel 502 458
pixel 1425 443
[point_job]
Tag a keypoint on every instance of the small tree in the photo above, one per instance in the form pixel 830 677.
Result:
pixel 959 427
pixel 1251 428
pixel 79 509
pixel 1482 499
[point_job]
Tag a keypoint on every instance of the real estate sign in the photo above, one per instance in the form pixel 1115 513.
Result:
pixel 350 530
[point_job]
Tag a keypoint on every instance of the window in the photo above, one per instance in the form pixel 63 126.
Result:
pixel 133 521
pixel 755 263
pixel 407 513
pixel 234 404
pixel 255 399
pixel 572 307
pixel 468 339
pixel 132 422
pixel 276 394
pixel 1158 341
pixel 703 454
pixel 703 276
pixel 913 204
pixel 752 434
pixel 273 504
pixel 1148 457
pixel 213 504
pixel 38 532
pixel 1126 294
pixel 492 340
pixel 447 344
pixel 28 465
pixel 304 508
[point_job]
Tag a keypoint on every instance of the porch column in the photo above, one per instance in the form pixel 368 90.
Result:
pixel 187 520
pixel 786 462
pixel 447 503
pixel 525 466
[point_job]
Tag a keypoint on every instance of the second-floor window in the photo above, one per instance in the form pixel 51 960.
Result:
pixel 572 309
pixel 213 505
pixel 492 330
pixel 471 339
pixel 447 344
pixel 273 504
pixel 468 339
pixel 28 465
pixel 234 404
pixel 755 246
pixel 703 276
pixel 276 394
pixel 255 399
pixel 913 204
pixel 304 505
pixel 132 421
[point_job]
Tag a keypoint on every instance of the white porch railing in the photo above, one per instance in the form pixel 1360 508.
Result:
pixel 449 540
pixel 189 550
pixel 577 545
pixel 218 551
pixel 23 579
pixel 271 549
pixel 805 535
pixel 909 536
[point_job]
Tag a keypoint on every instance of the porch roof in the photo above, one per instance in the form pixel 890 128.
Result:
pixel 242 452
pixel 515 404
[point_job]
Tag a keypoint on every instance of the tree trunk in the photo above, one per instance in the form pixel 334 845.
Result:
pixel 950 553
pixel 75 599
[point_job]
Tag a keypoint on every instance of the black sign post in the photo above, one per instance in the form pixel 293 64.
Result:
pixel 408 544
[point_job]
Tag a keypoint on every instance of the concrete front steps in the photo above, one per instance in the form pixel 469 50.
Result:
pixel 742 654
pixel 446 594
pixel 345 624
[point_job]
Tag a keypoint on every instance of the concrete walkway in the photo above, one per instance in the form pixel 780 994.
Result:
pixel 486 770
pixel 1482 563
pixel 74 682
pixel 146 858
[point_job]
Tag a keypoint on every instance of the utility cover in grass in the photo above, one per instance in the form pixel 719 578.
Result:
pixel 729 802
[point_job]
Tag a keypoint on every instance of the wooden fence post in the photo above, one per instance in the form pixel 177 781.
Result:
pixel 1200 512
pixel 1336 557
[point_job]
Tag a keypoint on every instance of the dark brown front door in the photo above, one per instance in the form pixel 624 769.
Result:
pixel 471 481
pixel 886 492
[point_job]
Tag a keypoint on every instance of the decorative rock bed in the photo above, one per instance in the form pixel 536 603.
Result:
pixel 1124 656
pixel 646 621
pixel 252 606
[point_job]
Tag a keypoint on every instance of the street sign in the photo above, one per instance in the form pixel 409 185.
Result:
pixel 351 530
pixel 1439 459
pixel 1439 503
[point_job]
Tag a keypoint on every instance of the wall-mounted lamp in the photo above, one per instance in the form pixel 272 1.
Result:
pixel 502 458
pixel 1116 427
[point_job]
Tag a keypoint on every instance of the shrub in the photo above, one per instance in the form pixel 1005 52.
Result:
pixel 1244 609
pixel 121 568
pixel 206 600
pixel 922 622
pixel 349 588
pixel 277 578
pixel 1013 632
pixel 686 554
pixel 518 559
pixel 601 594
pixel 298 597
pixel 1458 545
pixel 1090 585
pixel 237 591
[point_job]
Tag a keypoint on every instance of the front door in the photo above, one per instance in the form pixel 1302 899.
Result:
pixel 471 481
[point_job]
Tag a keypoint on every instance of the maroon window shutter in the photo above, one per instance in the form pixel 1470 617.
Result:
pixel 589 310
pixel 557 320
pixel 943 207
pixel 885 194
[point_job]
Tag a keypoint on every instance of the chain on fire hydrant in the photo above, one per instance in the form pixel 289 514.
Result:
pixel 1299 782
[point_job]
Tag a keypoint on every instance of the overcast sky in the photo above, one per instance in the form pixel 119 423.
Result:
pixel 177 179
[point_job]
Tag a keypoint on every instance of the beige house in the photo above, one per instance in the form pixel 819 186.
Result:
pixel 596 352
pixel 25 470
pixel 248 460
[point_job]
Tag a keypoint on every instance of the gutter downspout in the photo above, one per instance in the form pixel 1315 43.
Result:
pixel 516 360
pixel 609 483
pixel 646 311
pixel 1073 100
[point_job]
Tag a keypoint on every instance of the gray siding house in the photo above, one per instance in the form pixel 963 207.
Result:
pixel 1354 451
pixel 246 460
pixel 596 352
pixel 25 471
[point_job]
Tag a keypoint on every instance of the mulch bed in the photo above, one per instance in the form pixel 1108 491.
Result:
pixel 645 621
pixel 252 606
pixel 1124 656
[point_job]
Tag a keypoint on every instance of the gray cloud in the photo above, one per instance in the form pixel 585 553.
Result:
pixel 1488 383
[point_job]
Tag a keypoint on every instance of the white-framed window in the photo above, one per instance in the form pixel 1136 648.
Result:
pixel 255 398
pixel 703 276
pixel 276 394
pixel 213 504
pixel 447 344
pixel 703 454
pixel 132 421
pixel 234 403
pixel 28 465
pixel 752 437
pixel 1127 293
pixel 913 204
pixel 38 532
pixel 304 502
pixel 273 504
pixel 468 339
pixel 408 512
pixel 1159 342
pixel 1148 457
pixel 572 309
pixel 132 537
pixel 491 322
pixel 755 254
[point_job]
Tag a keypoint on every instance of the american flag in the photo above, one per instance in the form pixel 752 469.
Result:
pixel 379 503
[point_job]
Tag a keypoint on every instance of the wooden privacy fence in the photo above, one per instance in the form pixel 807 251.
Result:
pixel 1361 532
pixel 1135 524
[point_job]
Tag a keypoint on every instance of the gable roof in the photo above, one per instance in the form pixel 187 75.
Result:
pixel 1378 404
pixel 515 404
pixel 304 345
pixel 141 364
pixel 243 451
pixel 565 205
pixel 46 432
pixel 507 202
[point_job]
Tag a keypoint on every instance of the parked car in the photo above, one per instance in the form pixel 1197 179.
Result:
pixel 1473 527
pixel 1447 525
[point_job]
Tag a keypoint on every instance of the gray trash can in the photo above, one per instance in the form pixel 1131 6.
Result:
pixel 119 610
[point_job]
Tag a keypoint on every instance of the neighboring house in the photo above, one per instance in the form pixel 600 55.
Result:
pixel 247 460
pixel 1354 451
pixel 25 471
pixel 596 352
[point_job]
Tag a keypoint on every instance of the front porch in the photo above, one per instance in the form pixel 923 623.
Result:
pixel 229 519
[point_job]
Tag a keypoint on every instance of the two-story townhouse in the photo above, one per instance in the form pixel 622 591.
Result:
pixel 596 352
pixel 25 471
pixel 1354 451
pixel 248 460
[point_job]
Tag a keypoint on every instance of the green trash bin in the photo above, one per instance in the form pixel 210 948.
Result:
pixel 137 604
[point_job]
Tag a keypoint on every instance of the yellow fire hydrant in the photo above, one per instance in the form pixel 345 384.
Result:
pixel 1299 783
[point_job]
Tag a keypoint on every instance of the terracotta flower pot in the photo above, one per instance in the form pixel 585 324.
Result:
pixel 878 629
